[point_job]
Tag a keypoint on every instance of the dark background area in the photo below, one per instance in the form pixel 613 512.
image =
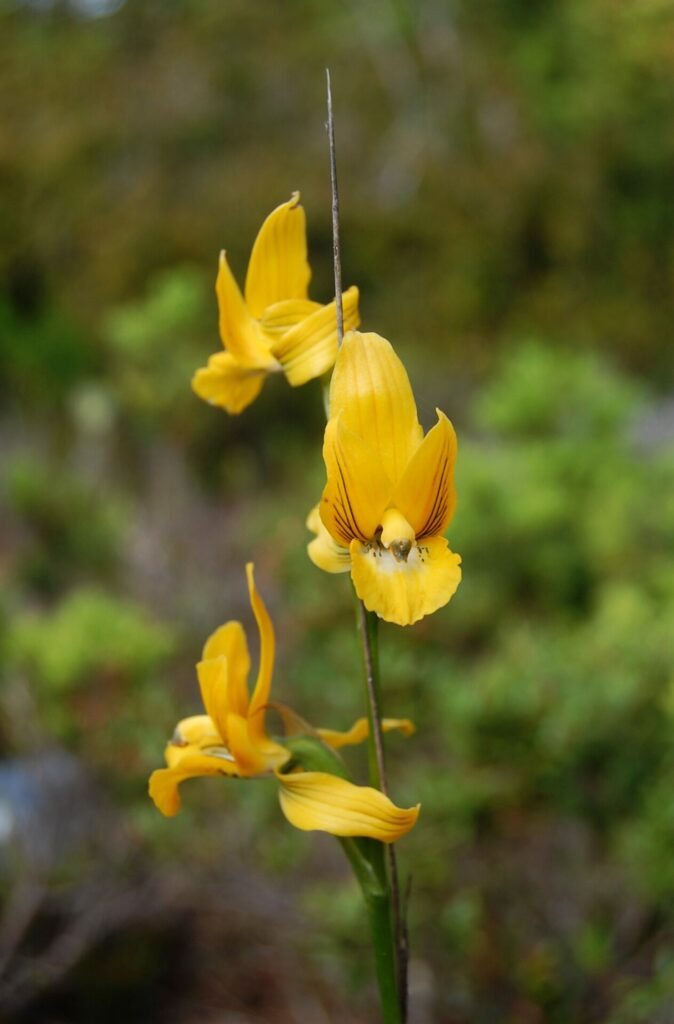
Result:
pixel 506 183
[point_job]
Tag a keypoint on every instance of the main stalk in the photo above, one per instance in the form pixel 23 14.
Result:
pixel 386 922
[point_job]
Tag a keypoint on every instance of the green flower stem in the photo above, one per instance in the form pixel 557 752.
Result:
pixel 368 626
pixel 368 861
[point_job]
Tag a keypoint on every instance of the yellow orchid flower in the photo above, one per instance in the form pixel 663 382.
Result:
pixel 231 739
pixel 390 491
pixel 277 328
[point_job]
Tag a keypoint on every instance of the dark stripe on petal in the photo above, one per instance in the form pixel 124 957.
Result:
pixel 343 528
pixel 357 532
pixel 439 499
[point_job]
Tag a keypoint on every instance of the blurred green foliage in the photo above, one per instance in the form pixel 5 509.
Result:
pixel 67 529
pixel 154 344
pixel 505 171
pixel 89 633
pixel 94 666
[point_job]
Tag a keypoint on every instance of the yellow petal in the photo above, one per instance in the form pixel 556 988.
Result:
pixel 227 384
pixel 404 591
pixel 323 550
pixel 267 650
pixel 425 494
pixel 239 331
pixel 278 267
pixel 357 491
pixel 198 731
pixel 281 316
pixel 164 782
pixel 360 730
pixel 214 685
pixel 371 387
pixel 253 756
pixel 230 641
pixel 309 349
pixel 316 801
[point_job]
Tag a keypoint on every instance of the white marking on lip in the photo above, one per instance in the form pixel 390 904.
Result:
pixel 387 562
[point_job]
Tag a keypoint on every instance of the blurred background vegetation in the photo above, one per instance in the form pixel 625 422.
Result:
pixel 506 179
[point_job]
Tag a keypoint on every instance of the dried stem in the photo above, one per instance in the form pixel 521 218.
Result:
pixel 336 251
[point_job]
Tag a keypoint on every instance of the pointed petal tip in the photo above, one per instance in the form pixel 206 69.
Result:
pixel 260 696
pixel 360 730
pixel 444 418
pixel 250 581
pixel 278 268
pixel 317 801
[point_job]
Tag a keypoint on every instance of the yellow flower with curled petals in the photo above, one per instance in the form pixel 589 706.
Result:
pixel 232 739
pixel 390 491
pixel 276 328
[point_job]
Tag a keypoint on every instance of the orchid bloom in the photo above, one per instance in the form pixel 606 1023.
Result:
pixel 231 739
pixel 277 328
pixel 390 492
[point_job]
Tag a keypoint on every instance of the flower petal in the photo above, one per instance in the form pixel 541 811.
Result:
pixel 239 331
pixel 309 349
pixel 357 491
pixel 253 755
pixel 371 388
pixel 197 731
pixel 316 801
pixel 281 316
pixel 404 591
pixel 425 494
pixel 360 730
pixel 267 650
pixel 164 782
pixel 230 641
pixel 324 552
pixel 227 384
pixel 213 676
pixel 278 267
